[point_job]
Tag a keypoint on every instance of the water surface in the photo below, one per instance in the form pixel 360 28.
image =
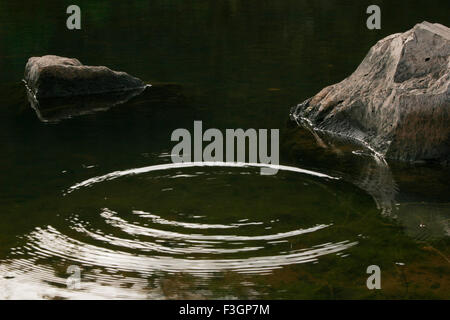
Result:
pixel 154 230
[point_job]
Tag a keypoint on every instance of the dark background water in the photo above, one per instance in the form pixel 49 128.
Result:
pixel 231 64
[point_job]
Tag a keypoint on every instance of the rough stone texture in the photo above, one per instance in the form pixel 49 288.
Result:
pixel 398 99
pixel 53 76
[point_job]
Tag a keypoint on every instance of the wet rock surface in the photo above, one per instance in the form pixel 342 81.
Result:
pixel 397 101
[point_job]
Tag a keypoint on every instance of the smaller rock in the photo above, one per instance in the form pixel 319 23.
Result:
pixel 53 76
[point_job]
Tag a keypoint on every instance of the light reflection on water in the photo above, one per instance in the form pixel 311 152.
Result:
pixel 50 243
pixel 117 174
pixel 133 246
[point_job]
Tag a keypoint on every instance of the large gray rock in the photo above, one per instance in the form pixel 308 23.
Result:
pixel 52 76
pixel 397 101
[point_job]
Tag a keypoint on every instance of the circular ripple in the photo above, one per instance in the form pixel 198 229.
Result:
pixel 195 218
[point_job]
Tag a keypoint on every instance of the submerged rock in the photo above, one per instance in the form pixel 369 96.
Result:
pixel 52 76
pixel 397 101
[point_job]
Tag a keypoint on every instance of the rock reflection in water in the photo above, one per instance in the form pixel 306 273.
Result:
pixel 57 109
pixel 358 164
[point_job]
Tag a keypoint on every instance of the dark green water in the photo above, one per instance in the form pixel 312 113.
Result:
pixel 209 232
